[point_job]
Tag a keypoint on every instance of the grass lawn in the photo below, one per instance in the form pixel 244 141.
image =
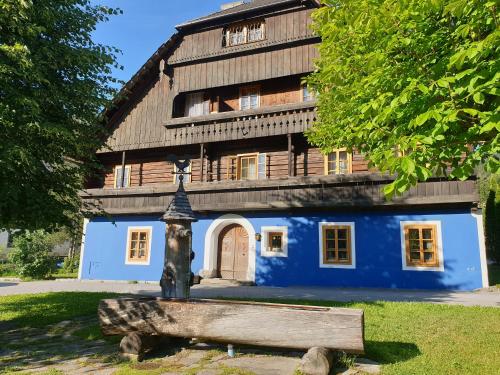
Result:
pixel 407 338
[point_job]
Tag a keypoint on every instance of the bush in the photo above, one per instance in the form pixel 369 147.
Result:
pixel 31 255
pixel 490 199
pixel 7 270
pixel 70 265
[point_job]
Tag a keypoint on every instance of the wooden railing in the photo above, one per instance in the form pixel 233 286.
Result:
pixel 361 190
pixel 235 125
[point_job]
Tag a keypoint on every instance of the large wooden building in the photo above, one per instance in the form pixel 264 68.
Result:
pixel 225 93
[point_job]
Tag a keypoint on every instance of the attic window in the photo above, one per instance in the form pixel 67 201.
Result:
pixel 243 33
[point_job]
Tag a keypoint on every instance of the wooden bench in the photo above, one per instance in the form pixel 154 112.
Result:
pixel 246 323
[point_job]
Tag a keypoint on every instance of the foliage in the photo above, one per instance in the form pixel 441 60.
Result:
pixel 412 84
pixel 490 201
pixel 70 265
pixel 31 255
pixel 494 275
pixel 54 83
pixel 7 270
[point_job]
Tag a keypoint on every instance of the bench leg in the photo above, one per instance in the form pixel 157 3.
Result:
pixel 317 361
pixel 134 346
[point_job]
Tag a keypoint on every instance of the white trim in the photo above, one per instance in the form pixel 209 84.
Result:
pixel 135 263
pixel 265 240
pixel 82 248
pixel 439 244
pixel 482 247
pixel 353 245
pixel 212 239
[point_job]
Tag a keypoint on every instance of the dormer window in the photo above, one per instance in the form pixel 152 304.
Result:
pixel 243 33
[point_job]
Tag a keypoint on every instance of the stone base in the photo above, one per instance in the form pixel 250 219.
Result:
pixel 134 346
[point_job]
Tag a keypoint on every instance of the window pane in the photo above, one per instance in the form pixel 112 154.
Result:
pixel 135 236
pixel 330 234
pixel 118 177
pixel 132 253
pixel 342 244
pixel 427 233
pixel 330 244
pixel 254 101
pixel 342 234
pixel 343 255
pixel 252 169
pixel 415 256
pixel 330 255
pixel 143 236
pixel 428 245
pixel 429 257
pixel 414 245
pixel 133 244
pixel 413 234
pixel 245 102
pixel 276 242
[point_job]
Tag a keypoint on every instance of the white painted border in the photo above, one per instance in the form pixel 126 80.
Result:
pixel 265 240
pixel 482 247
pixel 353 245
pixel 135 263
pixel 212 239
pixel 82 248
pixel 406 267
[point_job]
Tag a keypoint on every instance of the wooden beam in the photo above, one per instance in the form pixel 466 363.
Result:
pixel 202 161
pixel 123 170
pixel 245 323
pixel 290 155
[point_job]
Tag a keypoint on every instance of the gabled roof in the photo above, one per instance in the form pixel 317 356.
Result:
pixel 247 7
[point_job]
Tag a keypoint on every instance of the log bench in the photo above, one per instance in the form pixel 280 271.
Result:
pixel 234 322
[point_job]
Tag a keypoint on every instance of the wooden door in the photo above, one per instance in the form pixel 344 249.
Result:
pixel 232 259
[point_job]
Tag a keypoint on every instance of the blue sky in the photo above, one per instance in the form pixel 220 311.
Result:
pixel 145 25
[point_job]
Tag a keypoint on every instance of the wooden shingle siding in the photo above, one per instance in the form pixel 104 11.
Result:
pixel 156 170
pixel 280 29
pixel 243 69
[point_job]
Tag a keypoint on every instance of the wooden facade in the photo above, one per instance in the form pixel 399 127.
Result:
pixel 152 124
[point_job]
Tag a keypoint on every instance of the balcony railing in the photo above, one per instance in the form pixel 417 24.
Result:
pixel 235 125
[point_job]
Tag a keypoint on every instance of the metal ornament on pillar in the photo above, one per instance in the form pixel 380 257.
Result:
pixel 176 277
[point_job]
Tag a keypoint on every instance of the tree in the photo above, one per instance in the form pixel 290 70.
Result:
pixel 412 84
pixel 31 255
pixel 54 83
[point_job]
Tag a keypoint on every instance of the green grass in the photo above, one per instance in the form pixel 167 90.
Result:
pixel 423 338
pixel 39 310
pixel 494 274
pixel 406 338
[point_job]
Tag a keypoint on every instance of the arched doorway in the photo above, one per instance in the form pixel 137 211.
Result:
pixel 232 253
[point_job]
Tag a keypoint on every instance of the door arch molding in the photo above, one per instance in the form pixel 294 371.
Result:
pixel 212 243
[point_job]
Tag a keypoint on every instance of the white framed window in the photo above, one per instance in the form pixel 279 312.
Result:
pixel 138 248
pixel 121 182
pixel 243 33
pixel 196 105
pixel 187 174
pixel 247 167
pixel 337 245
pixel 249 97
pixel 274 241
pixel 421 246
pixel 307 94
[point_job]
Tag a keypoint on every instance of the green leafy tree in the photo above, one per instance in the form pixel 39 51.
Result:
pixel 412 84
pixel 54 83
pixel 31 255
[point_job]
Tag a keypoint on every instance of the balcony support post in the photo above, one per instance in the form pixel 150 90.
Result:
pixel 123 170
pixel 202 162
pixel 290 155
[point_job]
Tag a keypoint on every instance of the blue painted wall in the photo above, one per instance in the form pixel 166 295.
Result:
pixel 378 251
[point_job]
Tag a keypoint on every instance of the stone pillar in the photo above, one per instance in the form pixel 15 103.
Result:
pixel 176 277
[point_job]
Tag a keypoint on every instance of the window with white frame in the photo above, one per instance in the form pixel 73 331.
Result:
pixel 120 180
pixel 307 94
pixel 421 246
pixel 138 249
pixel 274 241
pixel 243 33
pixel 246 167
pixel 196 105
pixel 249 97
pixel 187 174
pixel 337 245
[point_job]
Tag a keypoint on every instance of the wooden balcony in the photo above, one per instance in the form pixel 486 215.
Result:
pixel 235 125
pixel 326 192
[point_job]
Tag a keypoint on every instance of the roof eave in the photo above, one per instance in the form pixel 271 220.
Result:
pixel 229 15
